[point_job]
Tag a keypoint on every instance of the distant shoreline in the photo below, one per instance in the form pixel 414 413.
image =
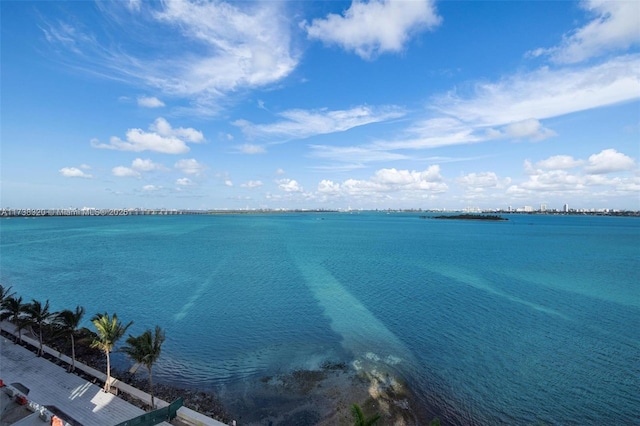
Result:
pixel 88 212
pixel 472 217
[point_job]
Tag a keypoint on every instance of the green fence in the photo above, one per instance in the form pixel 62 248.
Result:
pixel 155 417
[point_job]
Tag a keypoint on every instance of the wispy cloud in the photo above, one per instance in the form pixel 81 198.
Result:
pixel 223 47
pixel 545 93
pixel 614 27
pixel 374 27
pixel 161 137
pixel 248 148
pixel 513 108
pixel 300 124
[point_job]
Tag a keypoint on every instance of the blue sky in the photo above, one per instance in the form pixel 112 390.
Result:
pixel 273 104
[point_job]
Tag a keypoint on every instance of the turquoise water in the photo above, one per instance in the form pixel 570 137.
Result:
pixel 531 320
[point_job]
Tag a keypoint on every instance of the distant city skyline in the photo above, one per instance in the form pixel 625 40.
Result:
pixel 293 105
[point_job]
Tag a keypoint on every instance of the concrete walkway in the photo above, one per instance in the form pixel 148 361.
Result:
pixel 50 384
pixel 185 414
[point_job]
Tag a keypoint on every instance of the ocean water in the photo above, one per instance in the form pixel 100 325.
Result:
pixel 536 319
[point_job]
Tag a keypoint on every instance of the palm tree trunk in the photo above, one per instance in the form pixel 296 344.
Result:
pixel 151 389
pixel 107 384
pixel 40 350
pixel 73 353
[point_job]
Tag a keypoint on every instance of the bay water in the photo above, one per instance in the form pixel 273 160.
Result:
pixel 526 321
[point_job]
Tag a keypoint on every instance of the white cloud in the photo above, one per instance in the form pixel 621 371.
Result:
pixel 482 180
pixel 138 165
pixel 531 129
pixel 190 166
pixel 608 161
pixel 228 182
pixel 150 102
pixel 252 184
pixel 146 165
pixel 301 124
pixel 184 182
pixel 151 188
pixel 280 172
pixel 375 27
pixel 354 154
pixel 216 48
pixel 74 172
pixel 614 27
pixel 546 93
pixel 85 167
pixel 289 185
pixel 559 162
pixel 134 5
pixel 161 138
pixel 248 148
pixel 510 108
pixel 386 182
pixel 121 171
pixel 553 176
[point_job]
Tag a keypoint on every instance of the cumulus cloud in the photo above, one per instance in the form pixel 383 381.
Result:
pixel 146 165
pixel 482 180
pixel 561 175
pixel 375 27
pixel 289 185
pixel 301 124
pixel 74 172
pixel 184 181
pixel 387 181
pixel 614 27
pixel 190 166
pixel 559 162
pixel 609 161
pixel 531 129
pixel 151 188
pixel 161 137
pixel 252 184
pixel 121 171
pixel 150 102
pixel 137 166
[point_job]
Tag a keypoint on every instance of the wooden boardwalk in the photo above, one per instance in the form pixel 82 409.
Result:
pixel 50 384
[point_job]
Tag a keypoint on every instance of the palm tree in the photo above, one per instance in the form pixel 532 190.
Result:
pixel 4 294
pixel 13 310
pixel 110 330
pixel 145 349
pixel 360 419
pixel 69 321
pixel 40 316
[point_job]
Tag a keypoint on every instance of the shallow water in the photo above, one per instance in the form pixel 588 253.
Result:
pixel 530 320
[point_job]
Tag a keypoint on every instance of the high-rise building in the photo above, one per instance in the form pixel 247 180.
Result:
pixel 566 208
pixel 543 207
